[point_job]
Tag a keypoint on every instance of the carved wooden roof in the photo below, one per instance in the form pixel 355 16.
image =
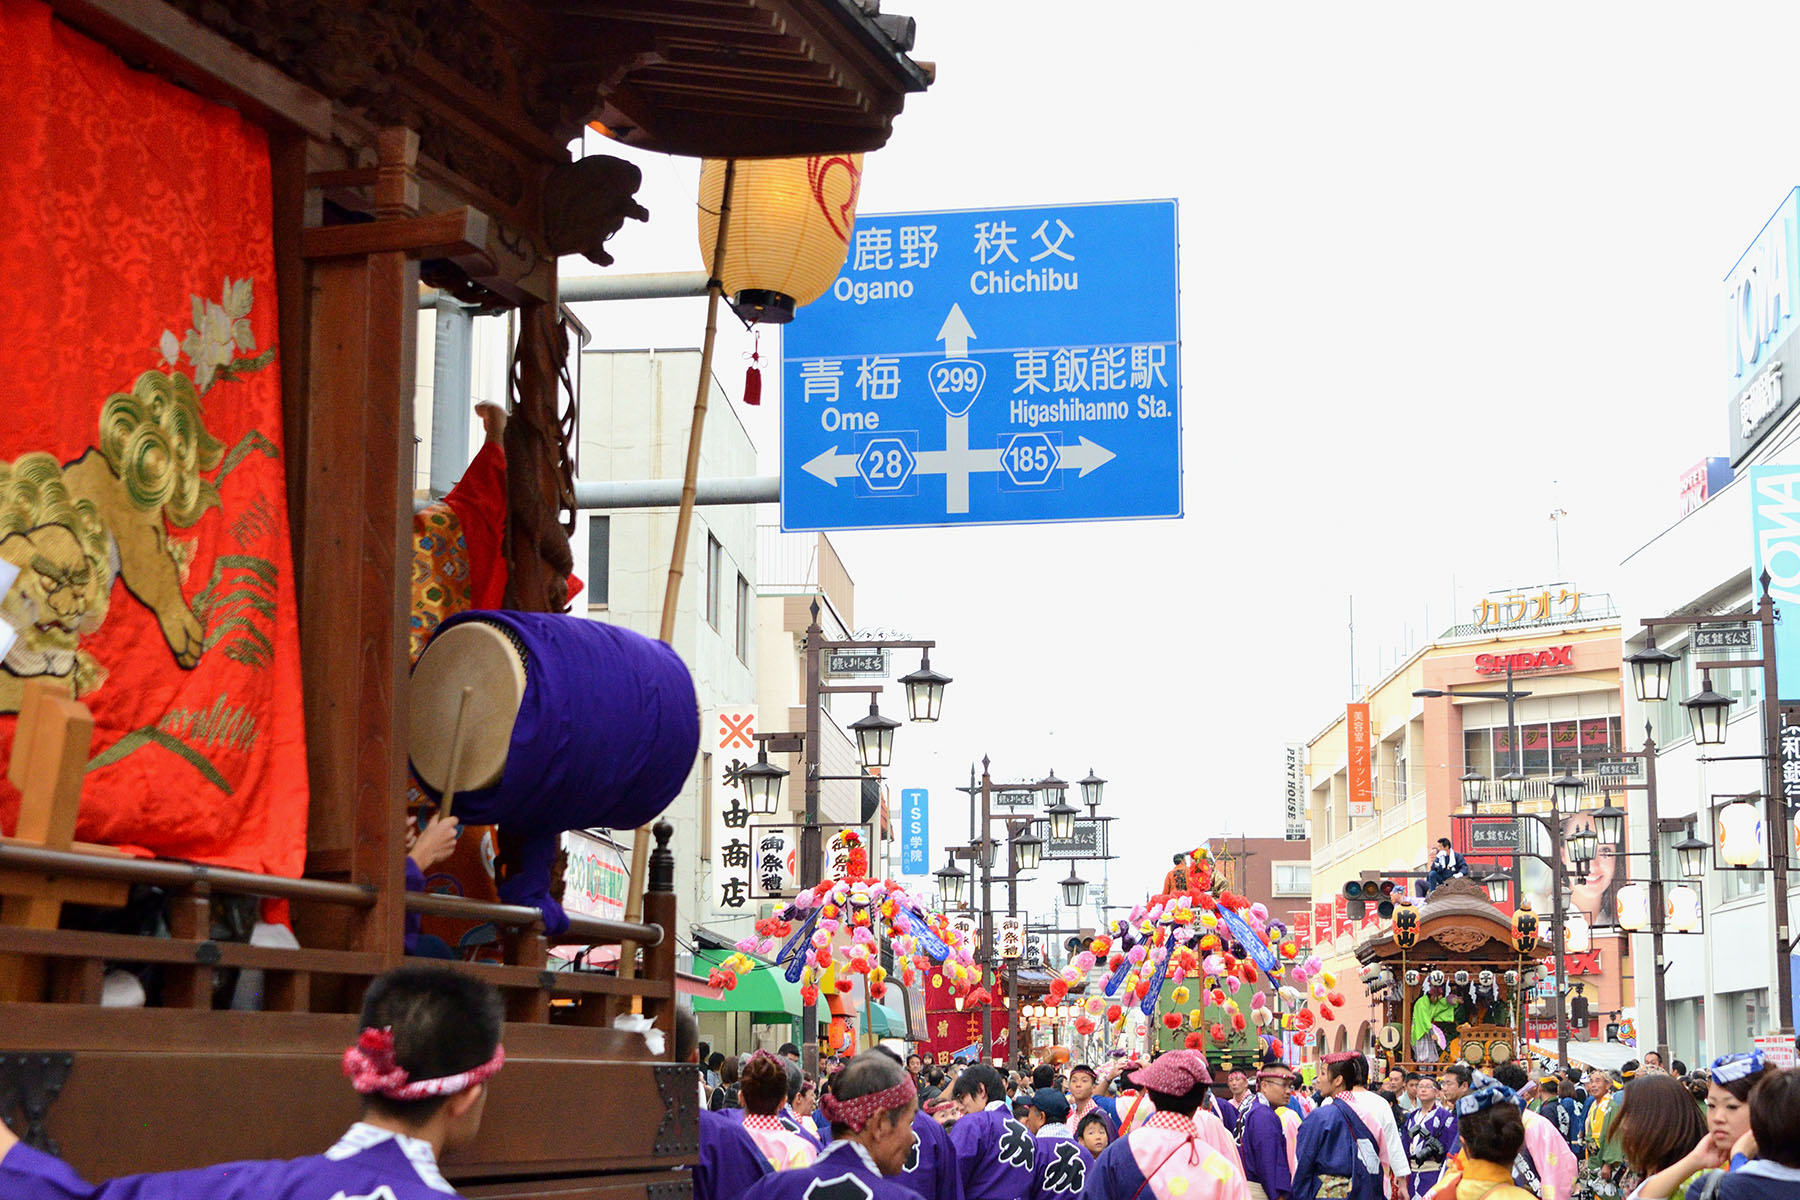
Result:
pixel 1456 921
pixel 494 79
pixel 745 77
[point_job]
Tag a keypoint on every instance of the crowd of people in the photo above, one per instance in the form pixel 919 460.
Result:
pixel 890 1128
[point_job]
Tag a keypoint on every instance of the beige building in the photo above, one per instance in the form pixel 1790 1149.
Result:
pixel 1419 749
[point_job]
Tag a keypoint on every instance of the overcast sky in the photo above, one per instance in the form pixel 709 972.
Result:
pixel 1443 270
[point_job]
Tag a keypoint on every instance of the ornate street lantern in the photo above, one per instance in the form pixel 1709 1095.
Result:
pixel 1028 848
pixel 1566 789
pixel 1609 823
pixel 1651 670
pixel 925 691
pixel 1062 820
pixel 1091 789
pixel 1497 883
pixel 1074 889
pixel 1512 787
pixel 762 782
pixel 875 737
pixel 1473 782
pixel 1707 713
pixel 1690 853
pixel 953 883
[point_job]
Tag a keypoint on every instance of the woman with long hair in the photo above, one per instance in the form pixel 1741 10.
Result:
pixel 763 1089
pixel 1658 1123
pixel 1742 1084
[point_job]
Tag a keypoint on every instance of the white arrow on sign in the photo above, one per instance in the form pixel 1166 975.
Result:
pixel 955 333
pixel 831 466
pixel 1084 458
pixel 1088 456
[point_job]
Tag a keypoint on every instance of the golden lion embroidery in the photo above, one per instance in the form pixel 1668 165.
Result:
pixel 73 529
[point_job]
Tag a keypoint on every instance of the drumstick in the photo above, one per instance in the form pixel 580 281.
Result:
pixel 456 745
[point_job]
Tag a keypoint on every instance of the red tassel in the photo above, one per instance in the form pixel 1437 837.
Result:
pixel 753 378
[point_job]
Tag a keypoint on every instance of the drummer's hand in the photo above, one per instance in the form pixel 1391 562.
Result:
pixel 8 1139
pixel 493 420
pixel 436 843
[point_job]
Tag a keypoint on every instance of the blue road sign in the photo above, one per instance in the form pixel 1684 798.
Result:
pixel 1005 366
pixel 915 831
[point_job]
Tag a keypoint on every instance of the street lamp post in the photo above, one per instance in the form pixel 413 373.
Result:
pixel 875 742
pixel 1651 669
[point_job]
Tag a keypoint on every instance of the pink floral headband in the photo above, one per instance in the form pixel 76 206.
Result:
pixel 372 1071
pixel 859 1112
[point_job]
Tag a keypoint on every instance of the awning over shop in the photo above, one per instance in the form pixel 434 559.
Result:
pixel 763 993
pixel 887 1021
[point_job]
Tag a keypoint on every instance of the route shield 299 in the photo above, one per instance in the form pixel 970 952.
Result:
pixel 994 367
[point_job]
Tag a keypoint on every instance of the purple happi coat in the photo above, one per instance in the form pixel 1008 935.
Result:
pixel 994 1154
pixel 730 1159
pixel 931 1168
pixel 1429 1135
pixel 366 1161
pixel 843 1172
pixel 1060 1164
pixel 1263 1148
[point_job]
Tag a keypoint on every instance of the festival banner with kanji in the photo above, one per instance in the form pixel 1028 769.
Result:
pixel 731 739
pixel 143 492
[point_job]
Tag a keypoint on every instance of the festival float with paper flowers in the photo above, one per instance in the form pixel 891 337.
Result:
pixel 830 935
pixel 1236 974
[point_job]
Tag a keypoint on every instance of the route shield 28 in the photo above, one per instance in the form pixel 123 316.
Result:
pixel 996 367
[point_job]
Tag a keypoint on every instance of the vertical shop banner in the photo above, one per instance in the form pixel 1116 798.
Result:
pixel 1321 922
pixel 731 738
pixel 1362 797
pixel 915 831
pixel 1011 937
pixel 1294 802
pixel 1775 528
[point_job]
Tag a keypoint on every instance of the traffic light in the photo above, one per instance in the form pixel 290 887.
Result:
pixel 1357 894
pixel 1384 907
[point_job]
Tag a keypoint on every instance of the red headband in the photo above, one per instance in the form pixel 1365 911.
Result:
pixel 858 1112
pixel 372 1071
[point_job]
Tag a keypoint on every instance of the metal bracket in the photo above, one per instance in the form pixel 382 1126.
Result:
pixel 29 1085
pixel 678 1086
pixel 669 1190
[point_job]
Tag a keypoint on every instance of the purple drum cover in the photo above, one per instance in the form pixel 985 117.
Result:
pixel 606 736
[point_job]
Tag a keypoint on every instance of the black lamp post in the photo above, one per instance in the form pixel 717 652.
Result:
pixel 1091 789
pixel 1651 670
pixel 1473 784
pixel 924 691
pixel 1707 713
pixel 953 884
pixel 762 782
pixel 1074 889
pixel 875 737
pixel 1496 883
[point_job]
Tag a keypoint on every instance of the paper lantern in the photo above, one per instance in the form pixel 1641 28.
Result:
pixel 1634 907
pixel 1684 909
pixel 1577 937
pixel 1740 834
pixel 788 232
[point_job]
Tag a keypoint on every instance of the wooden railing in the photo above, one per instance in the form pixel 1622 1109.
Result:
pixel 74 962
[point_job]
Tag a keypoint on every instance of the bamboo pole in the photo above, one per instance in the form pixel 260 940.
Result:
pixel 684 520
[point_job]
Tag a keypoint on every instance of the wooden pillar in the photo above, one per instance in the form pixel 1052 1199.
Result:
pixel 355 572
pixel 659 909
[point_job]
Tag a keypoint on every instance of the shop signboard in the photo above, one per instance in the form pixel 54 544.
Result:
pixel 915 831
pixel 856 664
pixel 1294 802
pixel 1488 836
pixel 1014 798
pixel 731 738
pixel 1775 538
pixel 1702 481
pixel 594 880
pixel 1087 840
pixel 1620 770
pixel 1762 308
pixel 988 367
pixel 1361 800
pixel 1788 747
pixel 1709 638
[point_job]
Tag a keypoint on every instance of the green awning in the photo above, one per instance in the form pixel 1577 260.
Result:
pixel 888 1021
pixel 763 993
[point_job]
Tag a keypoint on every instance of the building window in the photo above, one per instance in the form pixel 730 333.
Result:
pixel 743 620
pixel 599 560
pixel 715 571
pixel 1736 885
pixel 1293 879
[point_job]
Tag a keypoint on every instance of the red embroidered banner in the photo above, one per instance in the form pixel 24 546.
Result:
pixel 142 491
